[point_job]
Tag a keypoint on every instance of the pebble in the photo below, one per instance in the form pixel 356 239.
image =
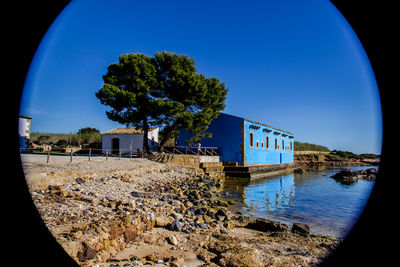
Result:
pixel 172 240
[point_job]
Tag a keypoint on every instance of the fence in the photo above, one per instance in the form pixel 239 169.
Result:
pixel 120 153
pixel 192 150
pixel 87 152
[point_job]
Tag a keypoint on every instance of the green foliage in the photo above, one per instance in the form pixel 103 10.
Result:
pixel 88 130
pixel 194 99
pixel 345 154
pixel 43 138
pixel 72 139
pixel 61 142
pixel 163 91
pixel 298 146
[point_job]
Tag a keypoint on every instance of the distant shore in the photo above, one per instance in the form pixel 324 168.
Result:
pixel 311 159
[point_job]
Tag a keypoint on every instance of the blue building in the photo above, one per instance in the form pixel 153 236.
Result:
pixel 246 142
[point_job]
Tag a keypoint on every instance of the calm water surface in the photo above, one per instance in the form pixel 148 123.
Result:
pixel 314 198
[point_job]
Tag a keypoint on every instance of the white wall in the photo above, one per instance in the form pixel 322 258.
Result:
pixel 125 139
pixel 24 126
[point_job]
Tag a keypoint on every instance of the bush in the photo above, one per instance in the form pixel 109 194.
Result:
pixel 61 142
pixel 298 146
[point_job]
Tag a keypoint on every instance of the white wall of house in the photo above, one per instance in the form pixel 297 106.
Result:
pixel 24 131
pixel 126 141
pixel 24 127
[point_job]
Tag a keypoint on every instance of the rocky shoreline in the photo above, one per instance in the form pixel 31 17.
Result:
pixel 320 160
pixel 149 213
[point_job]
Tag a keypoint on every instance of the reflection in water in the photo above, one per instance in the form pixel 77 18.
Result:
pixel 313 198
pixel 272 194
pixel 265 194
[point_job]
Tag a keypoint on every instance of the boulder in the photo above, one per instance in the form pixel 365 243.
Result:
pixel 176 225
pixel 299 171
pixel 240 257
pixel 130 234
pixel 301 229
pixel 161 221
pixel 87 253
pixel 346 176
pixel 264 225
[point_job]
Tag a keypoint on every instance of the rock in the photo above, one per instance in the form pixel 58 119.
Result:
pixel 72 247
pixel 222 203
pixel 202 225
pixel 211 215
pixel 299 171
pixel 175 202
pixel 223 231
pixel 151 258
pixel 172 240
pixel 136 194
pixel 264 225
pixel 207 194
pixel 56 190
pixel 176 225
pixel 194 195
pixel 79 180
pixel 130 234
pixel 161 221
pixel 87 253
pixel 301 229
pixel 188 204
pixel 240 257
pixel 346 176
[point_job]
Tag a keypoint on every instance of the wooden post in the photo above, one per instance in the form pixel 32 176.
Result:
pixel 119 153
pixel 107 154
pixel 90 152
pixel 48 156
pixel 70 160
pixel 130 155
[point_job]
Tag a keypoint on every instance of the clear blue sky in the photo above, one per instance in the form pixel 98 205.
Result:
pixel 295 65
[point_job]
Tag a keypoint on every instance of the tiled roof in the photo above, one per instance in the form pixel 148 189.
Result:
pixel 127 131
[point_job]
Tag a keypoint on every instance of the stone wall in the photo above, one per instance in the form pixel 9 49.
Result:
pixel 187 161
pixel 309 152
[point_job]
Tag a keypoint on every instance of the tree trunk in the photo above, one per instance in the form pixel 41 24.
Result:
pixel 146 147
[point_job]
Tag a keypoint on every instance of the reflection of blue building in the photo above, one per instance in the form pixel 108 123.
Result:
pixel 272 194
pixel 246 142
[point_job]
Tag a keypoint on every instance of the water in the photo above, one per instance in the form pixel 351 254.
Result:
pixel 314 198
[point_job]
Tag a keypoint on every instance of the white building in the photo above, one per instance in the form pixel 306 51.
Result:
pixel 24 130
pixel 127 140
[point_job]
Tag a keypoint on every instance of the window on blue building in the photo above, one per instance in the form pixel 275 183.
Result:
pixel 267 142
pixel 283 144
pixel 251 141
pixel 276 143
pixel 257 144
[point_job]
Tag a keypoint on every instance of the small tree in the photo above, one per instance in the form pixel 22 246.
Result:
pixel 88 130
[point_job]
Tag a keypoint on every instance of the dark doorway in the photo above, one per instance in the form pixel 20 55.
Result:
pixel 115 145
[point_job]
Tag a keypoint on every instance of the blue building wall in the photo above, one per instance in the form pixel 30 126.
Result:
pixel 226 133
pixel 263 152
pixel 232 135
